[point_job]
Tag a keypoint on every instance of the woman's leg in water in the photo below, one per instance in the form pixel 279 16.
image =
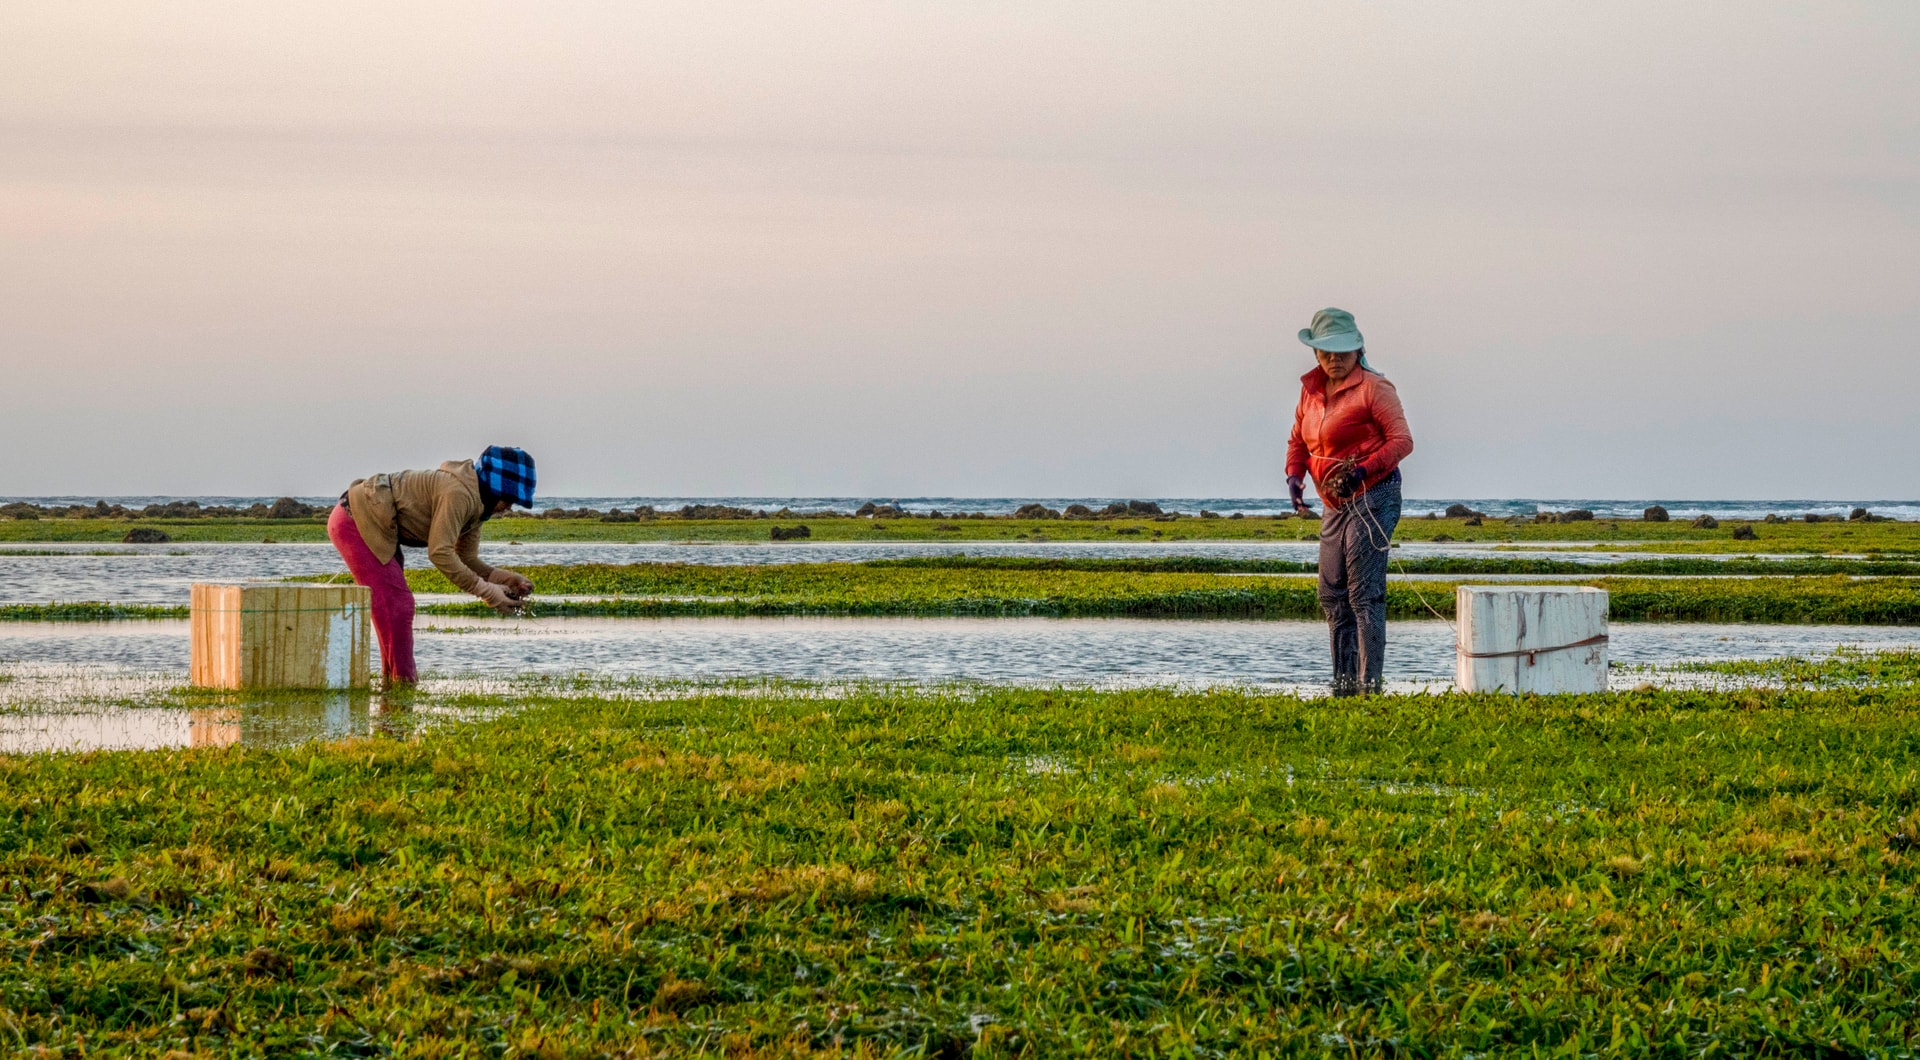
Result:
pixel 1335 527
pixel 1369 541
pixel 392 600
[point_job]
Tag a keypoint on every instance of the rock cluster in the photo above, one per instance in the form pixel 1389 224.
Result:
pixel 283 508
pixel 1122 510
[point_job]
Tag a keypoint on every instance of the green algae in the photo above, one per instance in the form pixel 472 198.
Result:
pixel 1000 872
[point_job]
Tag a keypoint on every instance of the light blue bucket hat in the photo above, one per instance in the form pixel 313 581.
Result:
pixel 1334 331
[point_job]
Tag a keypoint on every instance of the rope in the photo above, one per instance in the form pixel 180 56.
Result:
pixel 1385 544
pixel 274 610
pixel 1531 652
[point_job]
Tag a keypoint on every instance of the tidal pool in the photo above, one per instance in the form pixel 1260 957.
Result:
pixel 55 676
pixel 161 574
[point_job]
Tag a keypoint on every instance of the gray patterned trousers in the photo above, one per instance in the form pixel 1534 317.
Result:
pixel 1354 549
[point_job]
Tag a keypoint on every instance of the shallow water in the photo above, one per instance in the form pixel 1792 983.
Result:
pixel 68 685
pixel 163 574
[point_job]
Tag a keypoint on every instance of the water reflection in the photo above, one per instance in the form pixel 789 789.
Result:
pixel 66 686
pixel 130 711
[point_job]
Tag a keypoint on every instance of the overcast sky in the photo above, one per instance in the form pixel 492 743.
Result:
pixel 972 248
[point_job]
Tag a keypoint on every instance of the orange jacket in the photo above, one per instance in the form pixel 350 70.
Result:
pixel 1360 419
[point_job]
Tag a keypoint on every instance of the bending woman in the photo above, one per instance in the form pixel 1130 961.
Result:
pixel 1350 435
pixel 442 511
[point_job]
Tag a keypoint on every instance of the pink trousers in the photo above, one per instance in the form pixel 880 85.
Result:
pixel 392 600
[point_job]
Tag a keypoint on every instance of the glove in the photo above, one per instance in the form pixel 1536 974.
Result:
pixel 1342 481
pixel 517 585
pixel 1297 492
pixel 495 596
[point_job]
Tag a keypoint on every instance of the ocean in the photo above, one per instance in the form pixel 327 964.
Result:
pixel 1499 507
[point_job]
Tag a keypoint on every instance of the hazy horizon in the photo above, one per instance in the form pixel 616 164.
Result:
pixel 949 249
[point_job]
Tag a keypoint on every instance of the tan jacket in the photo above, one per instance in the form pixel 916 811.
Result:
pixel 439 509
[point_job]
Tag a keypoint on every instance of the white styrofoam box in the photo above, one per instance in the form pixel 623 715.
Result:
pixel 1531 638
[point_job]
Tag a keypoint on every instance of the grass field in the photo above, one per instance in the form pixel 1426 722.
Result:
pixel 987 873
pixel 1084 589
pixel 1894 538
pixel 657 589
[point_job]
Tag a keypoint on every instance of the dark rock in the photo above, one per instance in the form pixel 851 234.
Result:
pixel 617 516
pixel 1772 518
pixel 146 535
pixel 1815 517
pixel 1577 515
pixel 1116 509
pixel 1143 508
pixel 1655 514
pixel 1205 514
pixel 1744 532
pixel 1458 511
pixel 288 508
pixel 864 510
pixel 713 511
pixel 1859 514
pixel 1705 522
pixel 790 533
pixel 1441 539
pixel 1035 511
pixel 1473 520
pixel 1238 515
pixel 1078 511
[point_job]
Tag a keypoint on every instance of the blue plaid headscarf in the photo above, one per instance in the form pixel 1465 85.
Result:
pixel 507 473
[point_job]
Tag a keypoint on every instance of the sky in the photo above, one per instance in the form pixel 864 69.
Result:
pixel 1633 249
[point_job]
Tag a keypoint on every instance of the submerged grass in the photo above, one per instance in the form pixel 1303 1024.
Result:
pixel 86 611
pixel 664 589
pixel 1847 666
pixel 1745 565
pixel 1004 872
pixel 1087 588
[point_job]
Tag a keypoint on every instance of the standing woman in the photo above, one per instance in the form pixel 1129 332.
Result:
pixel 1350 435
pixel 442 511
